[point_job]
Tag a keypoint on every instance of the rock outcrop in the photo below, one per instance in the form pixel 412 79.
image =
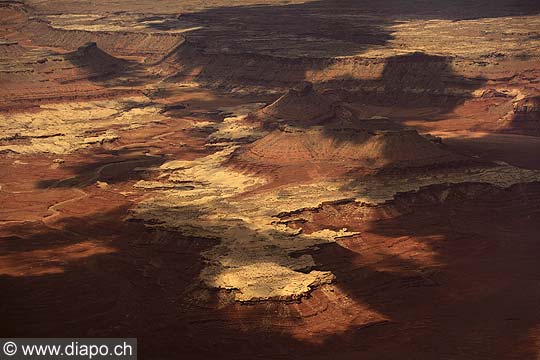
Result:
pixel 301 106
pixel 351 147
pixel 524 118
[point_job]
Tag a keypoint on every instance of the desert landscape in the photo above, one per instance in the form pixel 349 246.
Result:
pixel 287 179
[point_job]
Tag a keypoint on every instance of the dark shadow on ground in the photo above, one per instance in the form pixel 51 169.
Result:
pixel 415 80
pixel 110 167
pixel 360 24
pixel 456 274
pixel 456 281
pixel 318 125
pixel 103 68
pixel 93 275
pixel 524 117
pixel 516 150
pixel 450 286
pixel 279 44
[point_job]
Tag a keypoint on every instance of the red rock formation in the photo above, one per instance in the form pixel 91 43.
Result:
pixel 351 147
pixel 301 106
pixel 524 117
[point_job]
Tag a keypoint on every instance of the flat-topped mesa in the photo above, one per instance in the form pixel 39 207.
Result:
pixel 310 128
pixel 300 106
pixel 347 147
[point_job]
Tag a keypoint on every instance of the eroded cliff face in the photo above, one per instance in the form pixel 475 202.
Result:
pixel 524 117
pixel 64 128
pixel 255 256
pixel 240 206
pixel 327 134
pixel 318 175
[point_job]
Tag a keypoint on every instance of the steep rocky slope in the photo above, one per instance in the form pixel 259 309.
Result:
pixel 244 180
pixel 300 106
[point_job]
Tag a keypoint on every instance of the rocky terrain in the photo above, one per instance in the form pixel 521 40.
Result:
pixel 286 180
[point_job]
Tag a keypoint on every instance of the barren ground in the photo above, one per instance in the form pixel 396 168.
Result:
pixel 278 180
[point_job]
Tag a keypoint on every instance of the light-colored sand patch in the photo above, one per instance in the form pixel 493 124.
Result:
pixel 205 206
pixel 121 22
pixel 269 281
pixel 257 256
pixel 64 128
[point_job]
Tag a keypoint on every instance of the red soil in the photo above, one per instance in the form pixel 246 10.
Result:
pixel 421 265
pixel 448 272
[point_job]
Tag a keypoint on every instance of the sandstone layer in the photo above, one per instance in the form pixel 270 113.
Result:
pixel 289 180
